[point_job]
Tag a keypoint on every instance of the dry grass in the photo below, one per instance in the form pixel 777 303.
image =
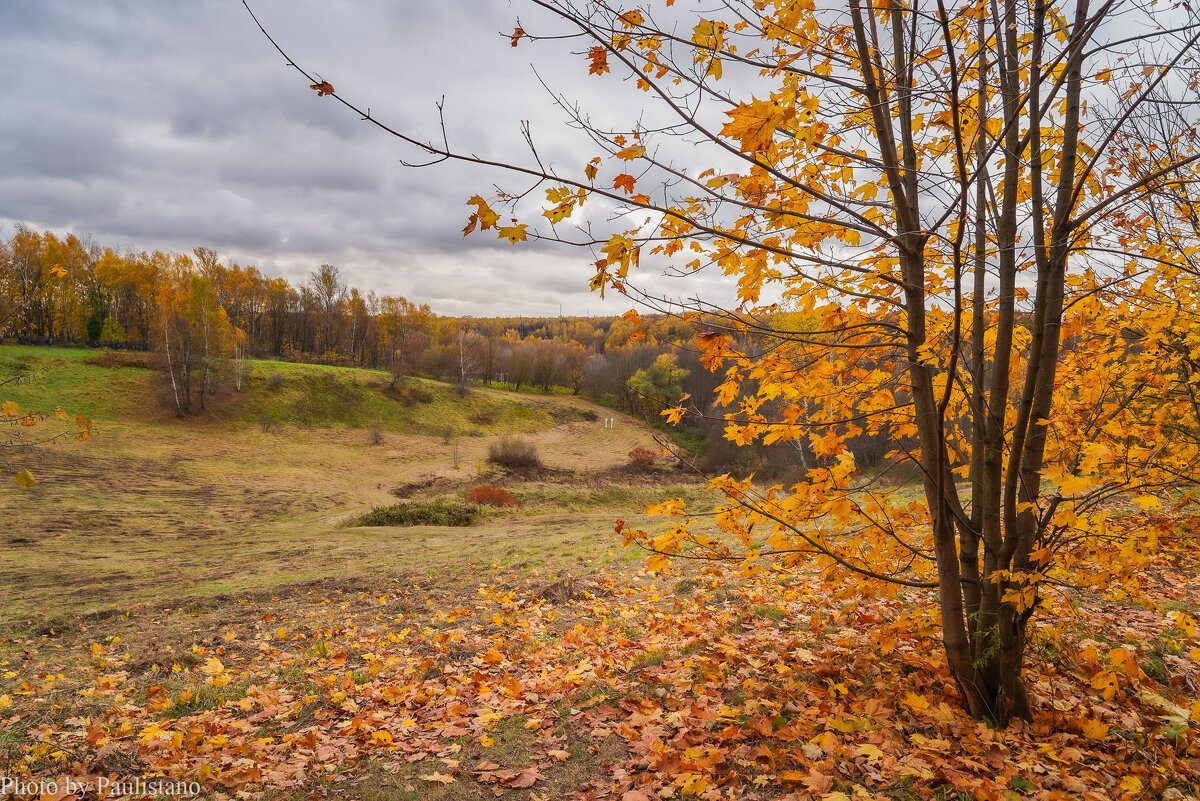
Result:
pixel 150 513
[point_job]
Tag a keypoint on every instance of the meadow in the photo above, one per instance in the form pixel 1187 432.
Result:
pixel 191 600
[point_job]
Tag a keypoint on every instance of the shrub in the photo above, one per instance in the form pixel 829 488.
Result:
pixel 642 457
pixel 410 394
pixel 438 512
pixel 488 495
pixel 277 381
pixel 376 436
pixel 513 452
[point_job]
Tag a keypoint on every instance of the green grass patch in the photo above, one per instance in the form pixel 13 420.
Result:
pixel 770 612
pixel 273 394
pixel 316 396
pixel 60 377
pixel 690 440
pixel 437 512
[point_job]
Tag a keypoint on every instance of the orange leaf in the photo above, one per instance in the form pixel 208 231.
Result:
pixel 599 57
pixel 1106 683
pixel 625 182
pixel 754 124
pixel 1094 729
pixel 526 778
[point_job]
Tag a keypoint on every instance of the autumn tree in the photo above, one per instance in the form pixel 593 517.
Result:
pixel 660 385
pixel 330 292
pixel 968 201
pixel 193 334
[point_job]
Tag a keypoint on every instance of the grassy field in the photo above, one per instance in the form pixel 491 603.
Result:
pixel 278 394
pixel 255 493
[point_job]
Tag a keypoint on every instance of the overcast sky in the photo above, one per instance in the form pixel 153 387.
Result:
pixel 159 124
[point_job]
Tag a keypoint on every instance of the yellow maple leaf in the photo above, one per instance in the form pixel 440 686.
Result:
pixel 513 233
pixel 709 33
pixel 1147 502
pixel 754 124
pixel 1131 784
pixel 915 703
pixel 439 778
pixel 871 752
pixel 692 784
pixel 1106 683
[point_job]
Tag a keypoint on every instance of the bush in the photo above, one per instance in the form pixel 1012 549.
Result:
pixel 376 436
pixel 407 394
pixel 488 495
pixel 513 452
pixel 642 457
pixel 277 381
pixel 438 512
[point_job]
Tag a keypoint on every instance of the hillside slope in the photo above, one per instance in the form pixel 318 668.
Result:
pixel 152 508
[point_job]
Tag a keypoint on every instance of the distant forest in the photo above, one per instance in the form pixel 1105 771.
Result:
pixel 196 312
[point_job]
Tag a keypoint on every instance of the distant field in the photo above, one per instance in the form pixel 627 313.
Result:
pixel 254 494
pixel 279 393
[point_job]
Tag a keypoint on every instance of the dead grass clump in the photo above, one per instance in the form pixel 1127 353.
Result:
pixel 514 452
pixel 120 358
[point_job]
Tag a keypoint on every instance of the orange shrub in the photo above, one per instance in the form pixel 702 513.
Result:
pixel 492 496
pixel 642 457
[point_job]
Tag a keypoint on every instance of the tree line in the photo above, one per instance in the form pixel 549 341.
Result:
pixel 203 317
pixel 197 312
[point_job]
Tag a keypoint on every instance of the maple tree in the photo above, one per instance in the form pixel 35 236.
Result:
pixel 978 214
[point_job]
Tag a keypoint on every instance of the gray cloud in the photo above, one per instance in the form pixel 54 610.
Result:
pixel 165 125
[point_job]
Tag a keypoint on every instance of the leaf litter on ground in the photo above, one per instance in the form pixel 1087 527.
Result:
pixel 627 687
